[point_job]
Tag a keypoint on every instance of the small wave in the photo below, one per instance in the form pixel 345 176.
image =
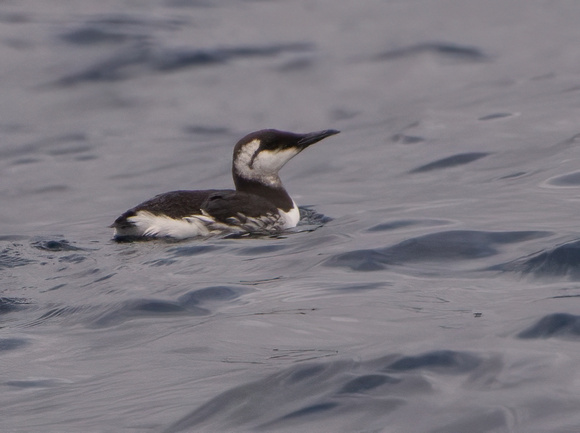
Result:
pixel 7 344
pixel 561 261
pixel 54 245
pixel 145 57
pixel 332 392
pixel 8 305
pixel 496 116
pixel 142 308
pixel 566 180
pixel 450 161
pixel 367 383
pixel 440 49
pixel 441 361
pixel 407 139
pixel 12 258
pixel 93 35
pixel 193 303
pixel 213 293
pixel 192 250
pixel 58 145
pixel 436 247
pixel 554 325
pixel 394 225
pixel 36 383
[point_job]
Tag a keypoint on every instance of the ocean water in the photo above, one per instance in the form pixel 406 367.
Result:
pixel 432 286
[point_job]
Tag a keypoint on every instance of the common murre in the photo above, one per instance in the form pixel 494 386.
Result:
pixel 258 204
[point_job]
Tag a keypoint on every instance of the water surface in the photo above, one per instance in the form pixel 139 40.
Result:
pixel 433 283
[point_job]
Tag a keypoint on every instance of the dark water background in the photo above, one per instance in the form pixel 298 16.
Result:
pixel 442 297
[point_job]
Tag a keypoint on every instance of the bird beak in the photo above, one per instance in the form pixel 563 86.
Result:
pixel 314 137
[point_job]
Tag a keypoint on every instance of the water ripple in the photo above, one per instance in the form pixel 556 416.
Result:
pixel 12 257
pixel 146 57
pixel 440 49
pixel 193 303
pixel 561 261
pixel 554 325
pixel 8 305
pixel 7 344
pixel 436 247
pixel 450 161
pixel 335 390
pixel 54 245
pixel 442 361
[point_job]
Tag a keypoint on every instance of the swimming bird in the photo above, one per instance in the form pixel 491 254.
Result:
pixel 260 203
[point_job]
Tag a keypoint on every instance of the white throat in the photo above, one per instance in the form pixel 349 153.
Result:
pixel 264 165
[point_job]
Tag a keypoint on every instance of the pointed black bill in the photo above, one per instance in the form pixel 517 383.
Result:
pixel 314 137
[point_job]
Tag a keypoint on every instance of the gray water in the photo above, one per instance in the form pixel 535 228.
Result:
pixel 432 285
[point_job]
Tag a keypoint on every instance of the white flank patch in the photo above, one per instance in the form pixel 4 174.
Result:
pixel 291 217
pixel 146 224
pixel 149 225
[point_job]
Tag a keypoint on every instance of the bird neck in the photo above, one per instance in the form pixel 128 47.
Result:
pixel 273 191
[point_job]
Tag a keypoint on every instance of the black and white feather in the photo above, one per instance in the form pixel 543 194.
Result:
pixel 260 203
